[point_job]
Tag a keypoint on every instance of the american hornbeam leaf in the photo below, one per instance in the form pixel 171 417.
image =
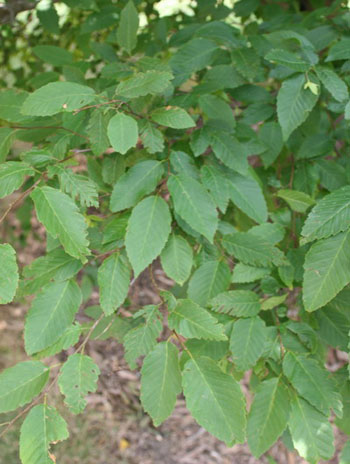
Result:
pixel 122 132
pixel 333 83
pixel 268 415
pixel 327 270
pixel 62 219
pixel 211 278
pixel 270 135
pixel 8 274
pixel 42 426
pixel 12 174
pixel 194 204
pixel 216 108
pixel 243 273
pixel 173 116
pixel 128 26
pixel 298 201
pixel 294 104
pixel 97 130
pixel 311 432
pixel 51 54
pixel 11 101
pixel 147 233
pixel 339 51
pixel 21 383
pixel 330 216
pixel 113 279
pixel 160 381
pixel 140 84
pixel 52 311
pixel 288 59
pixel 57 97
pixel 345 454
pixel 333 327
pixel 151 137
pixel 78 376
pixel 214 399
pixel 247 342
pixel 217 184
pixel 142 339
pixel 137 182
pixel 6 138
pixel 69 338
pixel 229 150
pixel 312 382
pixel 246 194
pixel 192 321
pixel 177 259
pixel 240 303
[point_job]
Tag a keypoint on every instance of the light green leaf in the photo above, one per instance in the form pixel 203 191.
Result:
pixel 229 150
pixel 57 97
pixel 51 54
pixel 62 219
pixel 128 26
pixel 215 400
pixel 247 342
pixel 288 59
pixel 147 233
pixel 345 454
pixel 69 338
pixel 333 327
pixel 122 132
pixel 330 216
pixel 21 383
pixel 194 205
pixel 142 339
pixel 6 138
pixel 217 184
pixel 298 201
pixel 327 270
pixel 240 303
pixel 140 180
pixel 333 83
pixel 42 426
pixel 311 432
pixel 273 301
pixel 246 194
pixel 339 51
pixel 11 101
pixel 152 138
pixel 160 381
pixel 78 377
pixel 294 104
pixel 8 273
pixel 173 116
pixel 243 273
pixel 52 311
pixel 97 130
pixel 208 280
pixel 140 84
pixel 312 382
pixel 268 415
pixel 191 321
pixel 177 259
pixel 113 279
pixel 12 176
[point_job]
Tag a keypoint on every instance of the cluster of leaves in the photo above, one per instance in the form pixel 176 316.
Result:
pixel 217 143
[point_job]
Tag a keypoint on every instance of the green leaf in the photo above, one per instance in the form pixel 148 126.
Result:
pixel 152 138
pixel 11 101
pixel 160 381
pixel 216 108
pixel 345 454
pixel 312 383
pixel 246 194
pixel 327 270
pixel 12 176
pixel 122 132
pixel 62 219
pixel 21 383
pixel 333 327
pixel 217 184
pixel 6 138
pixel 52 311
pixel 246 62
pixel 140 180
pixel 97 130
pixel 270 135
pixel 229 150
pixel 298 201
pixel 335 86
pixel 250 248
pixel 194 205
pixel 191 321
pixel 268 415
pixel 142 339
pixel 140 84
pixel 42 426
pixel 294 104
pixel 208 280
pixel 243 273
pixel 273 301
pixel 173 116
pixel 51 54
pixel 311 432
pixel 247 342
pixel 288 59
pixel 240 303
pixel 57 97
pixel 177 259
pixel 78 377
pixel 147 233
pixel 215 400
pixel 8 274
pixel 113 279
pixel 330 216
pixel 69 338
pixel 339 51
pixel 128 26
